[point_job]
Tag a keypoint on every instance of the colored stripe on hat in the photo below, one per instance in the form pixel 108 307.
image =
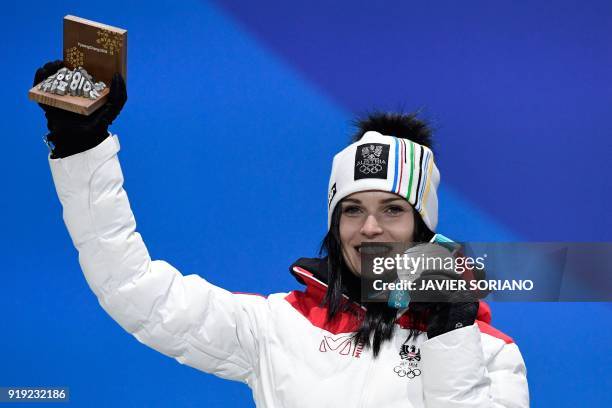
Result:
pixel 429 167
pixel 403 160
pixel 420 177
pixel 396 163
pixel 424 177
pixel 409 192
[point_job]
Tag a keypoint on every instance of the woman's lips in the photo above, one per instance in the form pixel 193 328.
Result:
pixel 373 249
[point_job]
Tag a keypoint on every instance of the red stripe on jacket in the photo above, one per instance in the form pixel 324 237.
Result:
pixel 309 305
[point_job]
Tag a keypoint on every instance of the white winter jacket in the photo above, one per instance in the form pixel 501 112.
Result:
pixel 279 345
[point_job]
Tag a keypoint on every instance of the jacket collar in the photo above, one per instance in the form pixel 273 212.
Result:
pixel 313 273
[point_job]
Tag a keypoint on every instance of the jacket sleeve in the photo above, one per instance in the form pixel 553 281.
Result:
pixel 183 317
pixel 458 372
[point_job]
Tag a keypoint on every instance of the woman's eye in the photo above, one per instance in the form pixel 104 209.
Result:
pixel 394 210
pixel 351 210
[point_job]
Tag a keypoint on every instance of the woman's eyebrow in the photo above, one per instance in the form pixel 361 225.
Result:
pixel 352 200
pixel 388 200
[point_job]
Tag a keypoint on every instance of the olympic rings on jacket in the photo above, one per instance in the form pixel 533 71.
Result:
pixel 404 371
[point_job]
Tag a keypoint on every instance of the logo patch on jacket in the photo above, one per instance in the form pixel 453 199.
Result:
pixel 371 161
pixel 343 345
pixel 409 366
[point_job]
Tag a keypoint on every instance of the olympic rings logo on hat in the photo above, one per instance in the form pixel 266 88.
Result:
pixel 370 168
pixel 371 161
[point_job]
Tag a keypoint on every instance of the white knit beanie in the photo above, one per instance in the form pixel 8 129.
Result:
pixel 387 163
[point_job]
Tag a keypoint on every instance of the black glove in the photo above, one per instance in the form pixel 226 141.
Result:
pixel 71 133
pixel 444 309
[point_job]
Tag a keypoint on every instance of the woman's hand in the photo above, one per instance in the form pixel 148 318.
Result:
pixel 443 308
pixel 71 133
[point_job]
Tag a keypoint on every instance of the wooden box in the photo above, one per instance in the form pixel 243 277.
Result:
pixel 100 49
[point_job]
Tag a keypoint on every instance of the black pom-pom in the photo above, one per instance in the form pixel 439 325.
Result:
pixel 402 125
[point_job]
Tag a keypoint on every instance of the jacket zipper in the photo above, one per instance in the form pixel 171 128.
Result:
pixel 365 389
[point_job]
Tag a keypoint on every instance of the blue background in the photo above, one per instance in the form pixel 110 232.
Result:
pixel 235 111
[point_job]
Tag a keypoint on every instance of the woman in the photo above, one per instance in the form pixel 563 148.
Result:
pixel 311 348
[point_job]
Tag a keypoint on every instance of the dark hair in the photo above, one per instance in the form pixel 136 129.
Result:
pixel 378 323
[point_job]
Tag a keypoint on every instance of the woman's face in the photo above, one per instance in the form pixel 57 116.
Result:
pixel 373 216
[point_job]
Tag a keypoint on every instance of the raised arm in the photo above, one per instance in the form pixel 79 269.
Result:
pixel 184 317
